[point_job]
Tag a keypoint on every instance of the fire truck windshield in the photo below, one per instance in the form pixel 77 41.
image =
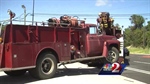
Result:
pixel 92 30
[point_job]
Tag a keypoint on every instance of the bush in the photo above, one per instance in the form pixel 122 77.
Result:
pixel 137 38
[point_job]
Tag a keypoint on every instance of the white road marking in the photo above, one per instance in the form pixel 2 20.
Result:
pixel 138 70
pixel 141 62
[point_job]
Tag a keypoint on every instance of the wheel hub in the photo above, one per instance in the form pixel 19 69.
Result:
pixel 46 66
pixel 111 56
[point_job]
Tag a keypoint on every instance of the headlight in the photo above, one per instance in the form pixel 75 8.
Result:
pixel 114 38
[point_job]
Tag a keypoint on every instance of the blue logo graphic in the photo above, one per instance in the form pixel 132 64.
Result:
pixel 112 69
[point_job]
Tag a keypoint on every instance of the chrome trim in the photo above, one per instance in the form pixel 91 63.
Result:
pixel 121 40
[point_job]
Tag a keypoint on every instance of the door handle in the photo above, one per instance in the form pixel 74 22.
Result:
pixel 65 44
pixel 92 37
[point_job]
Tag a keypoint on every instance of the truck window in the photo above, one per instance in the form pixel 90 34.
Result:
pixel 92 30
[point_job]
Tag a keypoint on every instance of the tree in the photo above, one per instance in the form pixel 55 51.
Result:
pixel 137 21
pixel 138 34
pixel 117 26
pixel 148 26
pixel 127 37
pixel 137 38
pixel 147 39
pixel 134 38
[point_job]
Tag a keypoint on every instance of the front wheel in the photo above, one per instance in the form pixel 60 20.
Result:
pixel 113 55
pixel 46 66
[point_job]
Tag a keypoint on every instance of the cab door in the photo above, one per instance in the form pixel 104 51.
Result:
pixel 93 42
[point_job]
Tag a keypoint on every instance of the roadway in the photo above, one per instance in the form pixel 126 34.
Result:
pixel 138 72
pixel 139 68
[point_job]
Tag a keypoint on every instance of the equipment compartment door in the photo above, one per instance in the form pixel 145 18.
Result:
pixel 63 37
pixel 83 45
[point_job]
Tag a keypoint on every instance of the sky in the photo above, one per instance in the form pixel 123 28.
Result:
pixel 120 10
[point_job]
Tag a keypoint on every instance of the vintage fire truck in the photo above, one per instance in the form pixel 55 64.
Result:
pixel 39 48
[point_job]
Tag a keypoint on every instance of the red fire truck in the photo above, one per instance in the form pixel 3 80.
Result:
pixel 39 48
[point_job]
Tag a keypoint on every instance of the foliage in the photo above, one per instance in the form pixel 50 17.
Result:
pixel 127 37
pixel 117 26
pixel 139 50
pixel 147 39
pixel 137 35
pixel 137 21
pixel 148 26
pixel 137 38
pixel 3 26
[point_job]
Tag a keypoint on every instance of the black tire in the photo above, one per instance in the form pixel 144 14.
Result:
pixel 113 55
pixel 46 66
pixel 15 73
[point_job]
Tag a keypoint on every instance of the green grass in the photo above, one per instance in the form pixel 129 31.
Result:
pixel 134 50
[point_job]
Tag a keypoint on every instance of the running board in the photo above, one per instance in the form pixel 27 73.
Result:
pixel 80 60
pixel 20 68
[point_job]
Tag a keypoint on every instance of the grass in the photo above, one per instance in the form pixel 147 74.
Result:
pixel 134 50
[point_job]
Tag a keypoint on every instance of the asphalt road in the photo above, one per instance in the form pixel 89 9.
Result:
pixel 136 73
pixel 139 68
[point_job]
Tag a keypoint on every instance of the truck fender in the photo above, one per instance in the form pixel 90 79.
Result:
pixel 44 50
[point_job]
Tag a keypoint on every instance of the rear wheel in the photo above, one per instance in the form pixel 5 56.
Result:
pixel 113 55
pixel 15 73
pixel 46 66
